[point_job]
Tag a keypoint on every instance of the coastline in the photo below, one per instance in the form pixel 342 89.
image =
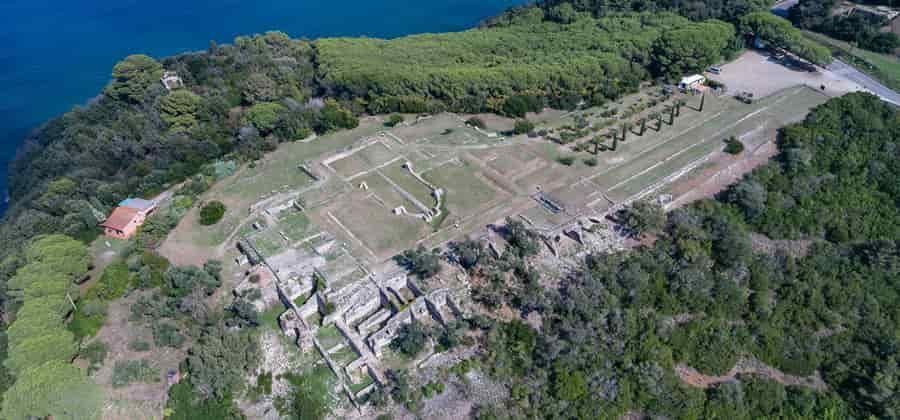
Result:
pixel 39 90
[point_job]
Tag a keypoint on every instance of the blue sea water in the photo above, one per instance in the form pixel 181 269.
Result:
pixel 55 54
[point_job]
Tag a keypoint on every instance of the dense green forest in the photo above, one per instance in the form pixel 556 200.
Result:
pixel 860 28
pixel 727 10
pixel 552 62
pixel 705 294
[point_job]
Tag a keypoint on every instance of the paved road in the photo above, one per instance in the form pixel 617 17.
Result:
pixel 844 70
pixel 849 72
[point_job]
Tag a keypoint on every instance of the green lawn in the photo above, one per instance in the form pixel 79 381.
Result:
pixel 464 192
pixel 408 182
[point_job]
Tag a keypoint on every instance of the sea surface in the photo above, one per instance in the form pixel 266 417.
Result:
pixel 56 54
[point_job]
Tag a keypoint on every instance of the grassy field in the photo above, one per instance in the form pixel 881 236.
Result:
pixel 381 231
pixel 295 224
pixel 443 130
pixel 376 154
pixel 385 192
pixel 364 382
pixel 350 165
pixel 465 193
pixel 277 172
pixel 268 242
pixel 678 140
pixel 405 180
pixel 362 160
pixel 669 157
pixel 884 67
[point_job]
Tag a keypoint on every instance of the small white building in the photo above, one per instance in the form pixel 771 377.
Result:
pixel 171 80
pixel 691 82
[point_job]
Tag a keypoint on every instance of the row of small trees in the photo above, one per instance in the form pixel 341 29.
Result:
pixel 672 111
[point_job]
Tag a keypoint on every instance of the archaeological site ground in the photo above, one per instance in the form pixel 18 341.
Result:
pixel 311 229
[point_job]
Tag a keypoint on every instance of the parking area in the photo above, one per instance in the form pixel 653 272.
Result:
pixel 759 73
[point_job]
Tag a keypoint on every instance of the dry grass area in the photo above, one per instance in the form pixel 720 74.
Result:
pixel 139 400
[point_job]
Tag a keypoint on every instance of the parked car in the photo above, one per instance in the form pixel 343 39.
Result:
pixel 715 70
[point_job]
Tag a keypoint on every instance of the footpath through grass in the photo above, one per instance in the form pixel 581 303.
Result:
pixel 884 67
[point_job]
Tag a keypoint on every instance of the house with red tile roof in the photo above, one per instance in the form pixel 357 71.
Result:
pixel 125 220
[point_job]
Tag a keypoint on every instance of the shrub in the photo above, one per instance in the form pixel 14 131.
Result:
pixel 333 116
pixel 139 345
pixel 713 83
pixel 523 126
pixel 95 353
pixel 185 403
pixel 432 389
pixel 394 120
pixel 264 116
pixel 566 160
pixel 330 307
pixel 309 396
pixel 411 339
pixel 591 161
pixel 642 217
pixel 263 387
pixel 420 262
pixel 211 213
pixel 166 335
pixel 476 122
pixel 115 281
pixel 127 372
pixel 88 319
pixel 733 146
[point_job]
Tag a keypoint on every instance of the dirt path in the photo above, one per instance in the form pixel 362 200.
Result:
pixel 749 366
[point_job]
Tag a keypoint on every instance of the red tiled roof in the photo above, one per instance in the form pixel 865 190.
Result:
pixel 120 218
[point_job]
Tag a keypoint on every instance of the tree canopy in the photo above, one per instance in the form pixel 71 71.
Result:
pixel 179 109
pixel 40 348
pixel 55 388
pixel 132 76
pixel 480 69
pixel 779 32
